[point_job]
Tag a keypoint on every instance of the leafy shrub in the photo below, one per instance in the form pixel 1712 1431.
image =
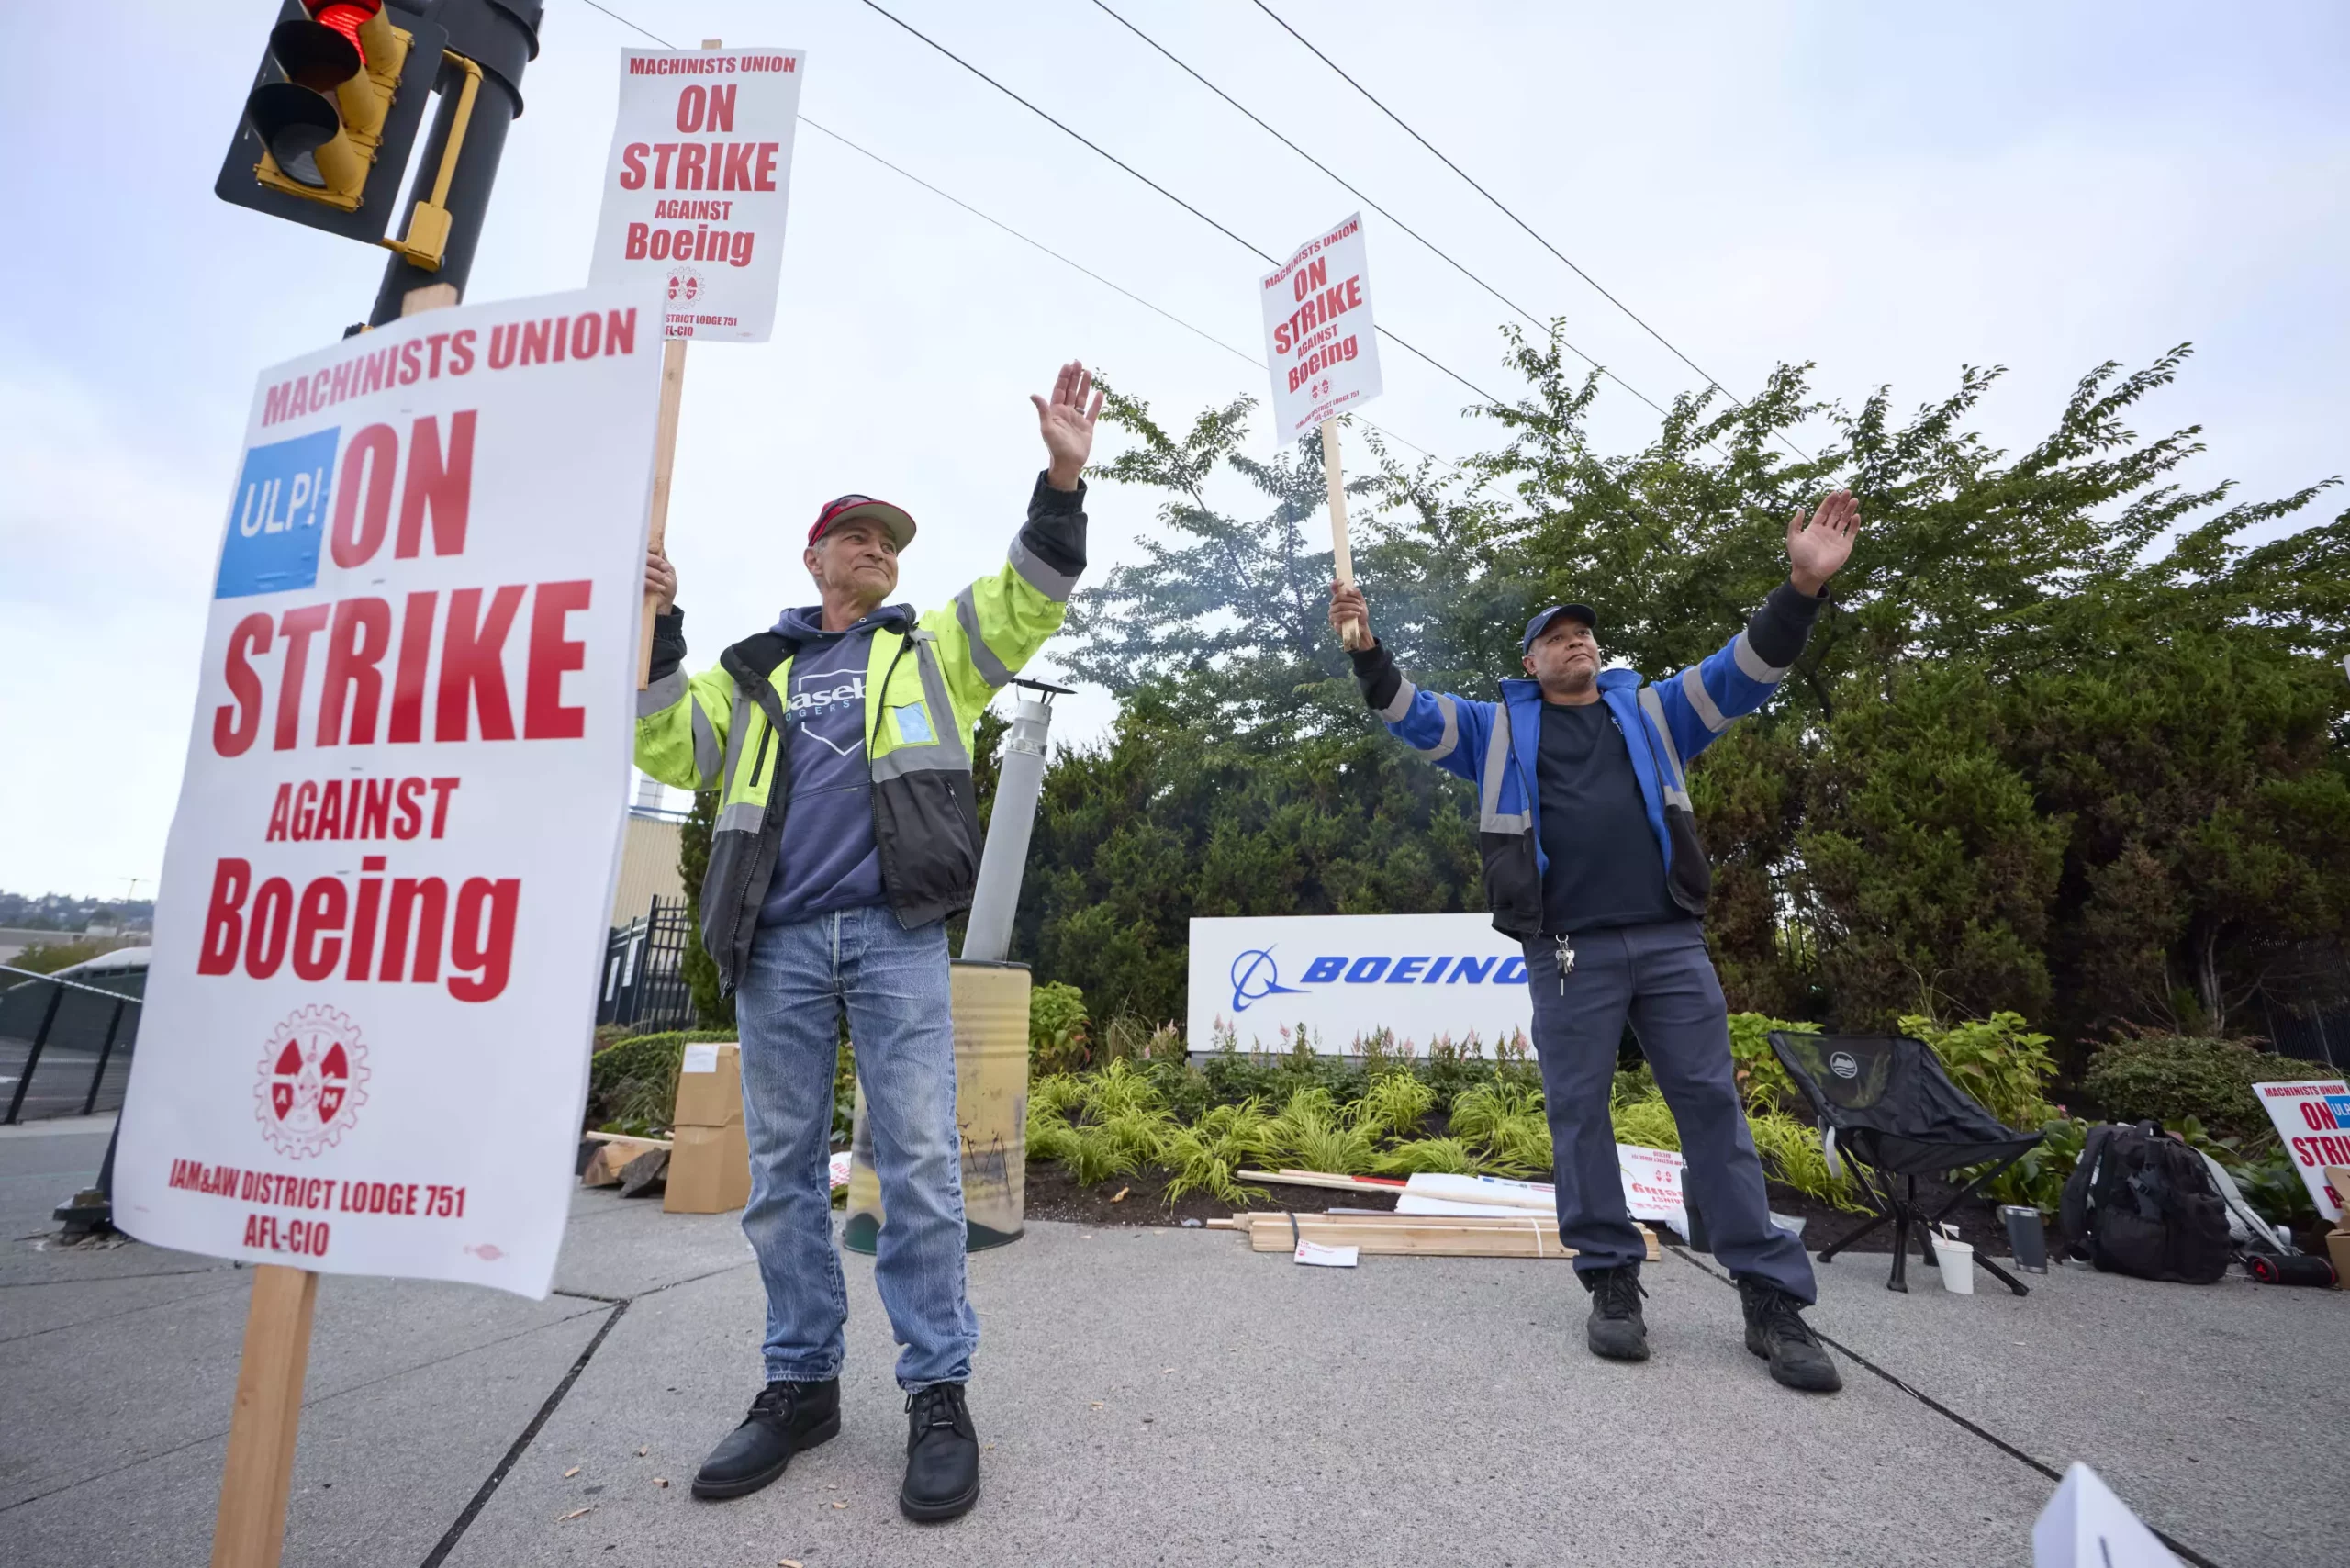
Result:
pixel 1642 1118
pixel 2000 1061
pixel 1762 1080
pixel 1392 1103
pixel 1505 1118
pixel 1057 1040
pixel 1792 1152
pixel 1452 1068
pixel 636 1080
pixel 1312 1132
pixel 2166 1078
pixel 1430 1155
pixel 1118 1090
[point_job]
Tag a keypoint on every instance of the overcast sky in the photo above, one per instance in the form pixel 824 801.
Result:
pixel 1888 194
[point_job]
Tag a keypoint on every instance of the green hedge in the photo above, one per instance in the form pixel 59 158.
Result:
pixel 2168 1078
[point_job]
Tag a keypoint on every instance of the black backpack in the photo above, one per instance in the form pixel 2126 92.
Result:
pixel 2141 1203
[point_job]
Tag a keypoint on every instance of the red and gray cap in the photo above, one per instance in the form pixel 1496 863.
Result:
pixel 843 508
pixel 1541 623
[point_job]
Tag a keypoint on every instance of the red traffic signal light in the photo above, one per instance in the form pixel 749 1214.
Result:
pixel 333 114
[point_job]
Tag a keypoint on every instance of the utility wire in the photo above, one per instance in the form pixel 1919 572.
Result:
pixel 1525 315
pixel 1035 244
pixel 1513 216
pixel 1384 333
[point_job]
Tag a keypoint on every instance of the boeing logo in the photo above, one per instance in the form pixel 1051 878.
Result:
pixel 1256 975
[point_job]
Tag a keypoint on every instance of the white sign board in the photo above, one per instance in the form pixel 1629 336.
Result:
pixel 697 183
pixel 2085 1526
pixel 1318 337
pixel 1342 976
pixel 1652 1184
pixel 2314 1120
pixel 383 901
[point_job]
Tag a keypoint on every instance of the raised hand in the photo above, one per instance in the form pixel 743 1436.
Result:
pixel 1066 424
pixel 660 581
pixel 1818 547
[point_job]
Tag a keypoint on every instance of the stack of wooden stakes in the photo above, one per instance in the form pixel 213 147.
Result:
pixel 1508 1233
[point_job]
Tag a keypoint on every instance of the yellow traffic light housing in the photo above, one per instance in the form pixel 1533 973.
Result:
pixel 333 114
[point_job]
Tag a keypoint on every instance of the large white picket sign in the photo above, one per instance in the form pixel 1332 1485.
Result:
pixel 2312 1118
pixel 1343 976
pixel 1318 337
pixel 383 901
pixel 697 183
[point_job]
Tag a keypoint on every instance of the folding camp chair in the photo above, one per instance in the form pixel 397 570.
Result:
pixel 1885 1106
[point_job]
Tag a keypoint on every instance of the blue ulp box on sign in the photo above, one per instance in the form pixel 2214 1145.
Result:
pixel 278 517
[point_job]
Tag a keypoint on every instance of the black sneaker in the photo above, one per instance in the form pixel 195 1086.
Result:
pixel 1775 1329
pixel 942 1455
pixel 1614 1328
pixel 785 1419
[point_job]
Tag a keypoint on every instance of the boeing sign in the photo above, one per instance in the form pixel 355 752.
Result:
pixel 1259 981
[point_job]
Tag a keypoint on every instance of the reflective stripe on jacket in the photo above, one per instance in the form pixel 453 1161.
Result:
pixel 927 679
pixel 1664 725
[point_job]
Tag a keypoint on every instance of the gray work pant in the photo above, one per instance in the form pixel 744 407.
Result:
pixel 1662 979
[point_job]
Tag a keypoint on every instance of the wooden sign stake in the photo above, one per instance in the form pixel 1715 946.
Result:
pixel 249 1530
pixel 665 454
pixel 1353 633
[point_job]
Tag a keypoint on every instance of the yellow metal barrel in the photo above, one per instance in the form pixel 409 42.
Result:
pixel 991 1009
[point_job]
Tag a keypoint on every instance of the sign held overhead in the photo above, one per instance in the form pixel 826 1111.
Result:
pixel 1318 337
pixel 697 183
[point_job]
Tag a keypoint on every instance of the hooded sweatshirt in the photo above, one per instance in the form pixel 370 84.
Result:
pixel 827 859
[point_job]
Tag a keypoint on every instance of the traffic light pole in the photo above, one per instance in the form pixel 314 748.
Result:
pixel 501 37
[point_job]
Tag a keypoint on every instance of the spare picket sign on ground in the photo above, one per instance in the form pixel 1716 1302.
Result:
pixel 1501 1235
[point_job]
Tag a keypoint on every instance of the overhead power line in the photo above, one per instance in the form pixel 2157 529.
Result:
pixel 1383 332
pixel 1032 244
pixel 1513 216
pixel 1524 314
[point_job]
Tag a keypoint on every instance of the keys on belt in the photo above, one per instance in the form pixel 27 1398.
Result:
pixel 1566 960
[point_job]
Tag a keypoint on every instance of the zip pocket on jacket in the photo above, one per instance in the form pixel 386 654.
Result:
pixel 759 760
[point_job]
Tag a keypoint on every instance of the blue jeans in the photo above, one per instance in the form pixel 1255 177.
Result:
pixel 893 984
pixel 1662 979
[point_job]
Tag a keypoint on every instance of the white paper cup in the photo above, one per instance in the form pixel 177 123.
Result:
pixel 1956 1260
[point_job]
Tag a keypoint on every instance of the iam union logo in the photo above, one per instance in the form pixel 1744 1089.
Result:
pixel 684 285
pixel 313 1079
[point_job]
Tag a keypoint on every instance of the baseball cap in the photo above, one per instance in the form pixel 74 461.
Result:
pixel 1541 623
pixel 842 509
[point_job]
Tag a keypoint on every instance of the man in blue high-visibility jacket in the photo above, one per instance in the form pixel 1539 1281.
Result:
pixel 1592 859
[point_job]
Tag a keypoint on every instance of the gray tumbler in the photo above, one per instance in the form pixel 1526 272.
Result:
pixel 2025 1237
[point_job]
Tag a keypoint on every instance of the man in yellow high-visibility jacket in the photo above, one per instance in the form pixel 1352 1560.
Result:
pixel 839 742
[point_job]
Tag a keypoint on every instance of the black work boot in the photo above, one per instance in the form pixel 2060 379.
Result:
pixel 1614 1328
pixel 1775 1329
pixel 942 1455
pixel 785 1419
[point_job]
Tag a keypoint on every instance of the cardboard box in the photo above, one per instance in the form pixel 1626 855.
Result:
pixel 2338 1178
pixel 2337 1246
pixel 710 1087
pixel 710 1170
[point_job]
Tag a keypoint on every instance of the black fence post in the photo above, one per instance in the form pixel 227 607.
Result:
pixel 114 1027
pixel 16 1101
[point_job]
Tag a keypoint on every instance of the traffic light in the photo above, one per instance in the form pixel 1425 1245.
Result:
pixel 333 114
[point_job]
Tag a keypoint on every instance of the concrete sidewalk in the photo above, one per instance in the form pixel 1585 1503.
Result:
pixel 1156 1396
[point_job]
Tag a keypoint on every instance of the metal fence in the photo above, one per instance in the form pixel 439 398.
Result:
pixel 2313 1037
pixel 645 975
pixel 65 1046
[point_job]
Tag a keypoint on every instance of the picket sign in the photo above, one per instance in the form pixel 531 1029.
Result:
pixel 717 253
pixel 1324 356
pixel 295 1112
pixel 2312 1121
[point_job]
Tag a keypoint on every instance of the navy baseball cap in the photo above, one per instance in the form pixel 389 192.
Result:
pixel 1536 627
pixel 841 509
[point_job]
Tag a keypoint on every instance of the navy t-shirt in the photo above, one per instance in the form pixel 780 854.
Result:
pixel 828 858
pixel 1605 866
